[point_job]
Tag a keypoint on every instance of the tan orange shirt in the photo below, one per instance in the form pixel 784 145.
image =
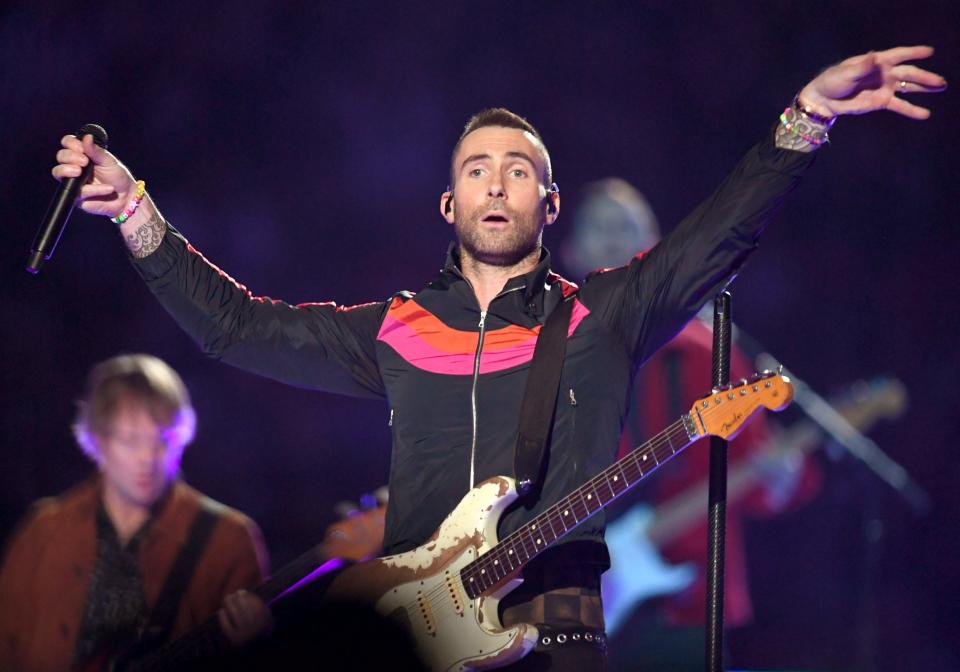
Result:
pixel 49 560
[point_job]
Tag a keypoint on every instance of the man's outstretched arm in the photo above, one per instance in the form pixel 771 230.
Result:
pixel 320 346
pixel 649 301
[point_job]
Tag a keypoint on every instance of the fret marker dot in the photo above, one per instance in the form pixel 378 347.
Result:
pixel 616 478
pixel 510 552
pixel 539 540
pixel 533 527
pixel 496 562
pixel 589 496
pixel 644 458
pixel 566 513
pixel 483 571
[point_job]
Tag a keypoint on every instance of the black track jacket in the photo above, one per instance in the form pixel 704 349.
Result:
pixel 454 387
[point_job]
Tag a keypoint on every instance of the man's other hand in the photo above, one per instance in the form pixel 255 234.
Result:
pixel 873 81
pixel 244 617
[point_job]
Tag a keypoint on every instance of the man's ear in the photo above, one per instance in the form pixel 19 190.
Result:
pixel 553 206
pixel 446 206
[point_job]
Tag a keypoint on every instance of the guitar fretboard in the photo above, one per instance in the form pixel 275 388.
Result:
pixel 513 552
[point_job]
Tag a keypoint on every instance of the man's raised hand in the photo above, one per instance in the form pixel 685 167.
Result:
pixel 873 81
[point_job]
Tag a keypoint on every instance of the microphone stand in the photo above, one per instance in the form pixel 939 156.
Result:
pixel 717 498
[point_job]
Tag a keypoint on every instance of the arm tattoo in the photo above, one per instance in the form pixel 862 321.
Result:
pixel 785 138
pixel 147 238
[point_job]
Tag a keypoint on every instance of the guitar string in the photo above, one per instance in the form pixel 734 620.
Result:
pixel 632 462
pixel 440 595
pixel 570 501
pixel 662 439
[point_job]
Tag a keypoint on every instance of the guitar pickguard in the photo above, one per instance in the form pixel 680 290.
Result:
pixel 422 591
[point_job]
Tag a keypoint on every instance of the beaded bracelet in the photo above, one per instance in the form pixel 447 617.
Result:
pixel 132 205
pixel 809 113
pixel 814 137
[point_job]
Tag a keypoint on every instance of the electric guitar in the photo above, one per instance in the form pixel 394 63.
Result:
pixel 356 537
pixel 637 570
pixel 445 593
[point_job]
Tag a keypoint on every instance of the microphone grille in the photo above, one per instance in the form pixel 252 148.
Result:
pixel 97 131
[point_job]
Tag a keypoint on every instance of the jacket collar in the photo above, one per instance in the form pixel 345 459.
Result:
pixel 533 282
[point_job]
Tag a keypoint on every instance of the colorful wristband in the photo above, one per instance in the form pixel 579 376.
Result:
pixel 132 205
pixel 809 113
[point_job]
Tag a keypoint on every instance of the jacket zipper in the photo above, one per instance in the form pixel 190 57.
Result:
pixel 476 377
pixel 473 395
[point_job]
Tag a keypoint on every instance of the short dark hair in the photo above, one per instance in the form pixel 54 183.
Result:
pixel 501 116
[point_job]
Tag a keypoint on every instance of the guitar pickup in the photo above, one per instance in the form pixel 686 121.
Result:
pixel 426 611
pixel 455 595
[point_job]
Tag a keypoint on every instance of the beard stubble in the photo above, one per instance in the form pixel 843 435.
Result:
pixel 500 247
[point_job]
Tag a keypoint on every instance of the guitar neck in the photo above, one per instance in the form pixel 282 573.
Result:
pixel 207 640
pixel 293 574
pixel 508 557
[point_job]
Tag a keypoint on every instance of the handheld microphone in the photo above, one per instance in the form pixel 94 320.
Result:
pixel 55 221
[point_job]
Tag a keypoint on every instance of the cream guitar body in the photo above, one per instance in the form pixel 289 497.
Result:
pixel 451 630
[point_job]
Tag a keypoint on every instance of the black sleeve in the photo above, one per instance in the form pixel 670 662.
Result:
pixel 319 345
pixel 649 300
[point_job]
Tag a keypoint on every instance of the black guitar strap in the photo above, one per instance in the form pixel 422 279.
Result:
pixel 164 612
pixel 540 398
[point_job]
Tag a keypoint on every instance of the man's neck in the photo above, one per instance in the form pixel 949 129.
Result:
pixel 126 516
pixel 488 280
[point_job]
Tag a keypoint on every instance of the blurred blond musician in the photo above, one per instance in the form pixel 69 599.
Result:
pixel 133 549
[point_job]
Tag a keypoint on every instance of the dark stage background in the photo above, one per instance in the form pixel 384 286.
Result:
pixel 303 148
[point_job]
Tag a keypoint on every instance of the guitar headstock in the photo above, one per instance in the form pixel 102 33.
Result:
pixel 725 410
pixel 880 398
